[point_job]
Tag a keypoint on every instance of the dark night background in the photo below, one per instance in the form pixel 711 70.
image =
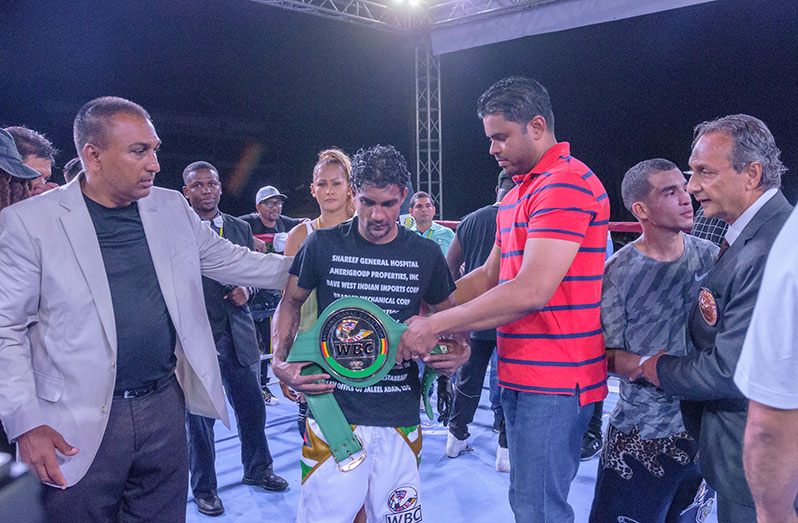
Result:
pixel 258 90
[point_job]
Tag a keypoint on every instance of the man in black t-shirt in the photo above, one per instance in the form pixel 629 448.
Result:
pixel 371 257
pixel 267 218
pixel 475 237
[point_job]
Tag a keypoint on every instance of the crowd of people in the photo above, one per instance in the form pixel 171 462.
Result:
pixel 128 313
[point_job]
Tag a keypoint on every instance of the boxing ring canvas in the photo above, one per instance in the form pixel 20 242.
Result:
pixel 465 489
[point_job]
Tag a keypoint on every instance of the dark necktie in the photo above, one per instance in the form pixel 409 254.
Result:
pixel 724 246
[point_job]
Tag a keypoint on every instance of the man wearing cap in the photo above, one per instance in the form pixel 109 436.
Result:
pixel 16 183
pixel 736 178
pixel 15 177
pixel 104 336
pixel 38 153
pixel 268 218
pixel 237 347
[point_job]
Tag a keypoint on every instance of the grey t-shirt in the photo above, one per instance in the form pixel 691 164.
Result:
pixel 645 304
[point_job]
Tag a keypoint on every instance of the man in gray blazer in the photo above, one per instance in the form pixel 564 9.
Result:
pixel 239 358
pixel 736 178
pixel 104 337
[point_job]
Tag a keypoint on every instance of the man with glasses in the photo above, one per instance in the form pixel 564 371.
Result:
pixel 268 218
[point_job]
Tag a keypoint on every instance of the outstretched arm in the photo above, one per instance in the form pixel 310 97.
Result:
pixel 485 304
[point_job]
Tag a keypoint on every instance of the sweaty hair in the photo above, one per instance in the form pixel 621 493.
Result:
pixel 335 156
pixel 519 99
pixel 379 166
pixel 31 143
pixel 752 142
pixel 196 166
pixel 72 169
pixel 636 185
pixel 92 121
pixel 420 194
pixel 13 189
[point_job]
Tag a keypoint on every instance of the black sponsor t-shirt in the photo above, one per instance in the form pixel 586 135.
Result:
pixel 338 262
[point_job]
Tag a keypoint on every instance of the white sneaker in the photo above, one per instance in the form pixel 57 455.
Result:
pixel 454 446
pixel 268 398
pixel 502 459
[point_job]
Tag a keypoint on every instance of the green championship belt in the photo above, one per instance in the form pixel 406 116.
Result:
pixel 355 342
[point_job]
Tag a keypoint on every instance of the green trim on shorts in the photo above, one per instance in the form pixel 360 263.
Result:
pixel 305 469
pixel 407 430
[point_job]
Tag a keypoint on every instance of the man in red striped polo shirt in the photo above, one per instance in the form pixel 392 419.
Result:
pixel 541 286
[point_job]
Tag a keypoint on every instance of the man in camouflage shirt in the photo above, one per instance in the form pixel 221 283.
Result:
pixel 648 470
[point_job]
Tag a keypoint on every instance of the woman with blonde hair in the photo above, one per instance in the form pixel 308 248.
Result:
pixel 330 188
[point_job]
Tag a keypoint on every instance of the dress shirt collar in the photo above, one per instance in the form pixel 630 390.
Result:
pixel 736 228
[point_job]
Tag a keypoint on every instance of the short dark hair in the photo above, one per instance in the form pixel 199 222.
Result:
pixel 381 166
pixel 636 184
pixel 197 166
pixel 72 169
pixel 91 122
pixel 752 142
pixel 421 194
pixel 31 143
pixel 519 99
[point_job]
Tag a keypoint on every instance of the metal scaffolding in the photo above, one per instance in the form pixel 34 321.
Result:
pixel 429 172
pixel 408 17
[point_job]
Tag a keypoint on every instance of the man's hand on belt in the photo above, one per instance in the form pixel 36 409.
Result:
pixel 290 374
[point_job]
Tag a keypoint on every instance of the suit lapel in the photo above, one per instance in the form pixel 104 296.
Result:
pixel 778 203
pixel 82 238
pixel 160 250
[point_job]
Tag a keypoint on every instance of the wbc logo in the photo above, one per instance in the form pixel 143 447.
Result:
pixel 404 506
pixel 354 344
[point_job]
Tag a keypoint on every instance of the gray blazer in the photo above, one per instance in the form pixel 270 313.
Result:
pixel 57 328
pixel 714 410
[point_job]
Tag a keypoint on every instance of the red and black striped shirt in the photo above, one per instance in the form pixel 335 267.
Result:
pixel 560 348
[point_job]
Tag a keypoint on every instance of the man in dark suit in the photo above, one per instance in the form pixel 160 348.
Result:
pixel 736 178
pixel 239 357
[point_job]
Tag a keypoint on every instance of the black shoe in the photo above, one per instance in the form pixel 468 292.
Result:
pixel 498 422
pixel 591 445
pixel 269 481
pixel 210 505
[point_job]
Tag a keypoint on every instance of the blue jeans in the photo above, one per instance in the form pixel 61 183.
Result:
pixel 243 392
pixel 495 390
pixel 544 433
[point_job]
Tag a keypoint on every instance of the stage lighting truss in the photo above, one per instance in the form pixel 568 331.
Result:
pixel 406 16
pixel 416 18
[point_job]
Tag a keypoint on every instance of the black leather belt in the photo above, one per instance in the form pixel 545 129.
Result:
pixel 144 390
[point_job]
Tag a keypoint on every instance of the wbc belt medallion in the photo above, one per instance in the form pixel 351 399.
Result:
pixel 354 345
